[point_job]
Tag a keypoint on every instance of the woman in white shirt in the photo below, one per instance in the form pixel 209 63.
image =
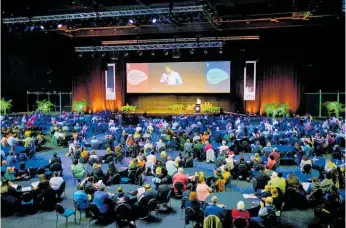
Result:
pixel 305 161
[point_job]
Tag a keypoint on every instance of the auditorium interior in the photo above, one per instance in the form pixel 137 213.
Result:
pixel 173 113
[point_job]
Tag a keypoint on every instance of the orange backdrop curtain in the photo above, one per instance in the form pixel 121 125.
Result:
pixel 91 86
pixel 276 82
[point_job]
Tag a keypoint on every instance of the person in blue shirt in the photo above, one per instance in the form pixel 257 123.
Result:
pixel 214 209
pixel 82 199
pixel 102 199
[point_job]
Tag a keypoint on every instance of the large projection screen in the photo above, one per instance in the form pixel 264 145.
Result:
pixel 179 77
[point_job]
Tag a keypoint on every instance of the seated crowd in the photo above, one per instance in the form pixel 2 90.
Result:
pixel 198 139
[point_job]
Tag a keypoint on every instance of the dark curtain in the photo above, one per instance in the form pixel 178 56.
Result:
pixel 276 82
pixel 91 86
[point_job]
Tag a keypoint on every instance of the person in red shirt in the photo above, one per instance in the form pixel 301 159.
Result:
pixel 275 153
pixel 180 177
pixel 241 212
pixel 271 162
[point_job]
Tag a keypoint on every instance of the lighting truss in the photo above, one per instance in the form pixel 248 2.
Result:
pixel 119 13
pixel 214 44
pixel 225 38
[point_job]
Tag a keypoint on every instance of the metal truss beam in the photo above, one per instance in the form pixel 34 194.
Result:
pixel 201 39
pixel 119 13
pixel 214 44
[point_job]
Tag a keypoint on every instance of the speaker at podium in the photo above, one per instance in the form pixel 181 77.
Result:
pixel 198 106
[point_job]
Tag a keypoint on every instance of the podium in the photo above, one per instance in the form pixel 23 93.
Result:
pixel 198 108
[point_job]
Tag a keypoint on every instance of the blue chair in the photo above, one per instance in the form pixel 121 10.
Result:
pixel 60 210
pixel 77 208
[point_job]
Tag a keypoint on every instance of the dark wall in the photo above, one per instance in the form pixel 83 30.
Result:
pixel 47 62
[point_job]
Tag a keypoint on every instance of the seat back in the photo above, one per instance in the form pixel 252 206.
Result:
pixel 116 179
pixel 179 186
pixel 76 205
pixel 242 168
pixel 94 211
pixel 27 198
pixel 122 211
pixel 59 209
pixel 239 222
pixel 307 169
pixel 56 166
pixel 109 159
pixel 152 204
pixel 190 214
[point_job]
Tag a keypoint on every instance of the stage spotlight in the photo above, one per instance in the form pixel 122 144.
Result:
pixel 140 53
pixel 131 21
pixel 103 54
pixel 80 55
pixel 220 51
pixel 152 53
pixel 32 28
pixel 165 52
pixel 126 54
pixel 154 20
pixel 92 55
pixel 59 25
pixel 205 51
pixel 192 51
pixel 42 27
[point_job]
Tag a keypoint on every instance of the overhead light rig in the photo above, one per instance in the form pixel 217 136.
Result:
pixel 140 47
pixel 191 39
pixel 105 14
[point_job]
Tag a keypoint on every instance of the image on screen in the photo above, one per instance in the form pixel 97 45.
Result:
pixel 179 77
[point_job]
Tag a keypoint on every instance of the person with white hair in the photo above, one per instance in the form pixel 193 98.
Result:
pixel 240 212
pixel 214 209
pixel 160 144
pixel 170 166
pixel 187 146
pixel 180 177
pixel 223 148
pixel 210 155
pixel 94 142
pixel 138 128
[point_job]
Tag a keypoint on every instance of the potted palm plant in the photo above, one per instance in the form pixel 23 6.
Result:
pixel 79 106
pixel 44 106
pixel 334 107
pixel 5 105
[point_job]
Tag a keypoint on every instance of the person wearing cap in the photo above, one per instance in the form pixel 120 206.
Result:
pixel 97 172
pixel 102 199
pixel 195 205
pixel 148 194
pixel 133 164
pixel 214 209
pixel 120 196
pixel 241 212
pixel 266 211
pixel 109 153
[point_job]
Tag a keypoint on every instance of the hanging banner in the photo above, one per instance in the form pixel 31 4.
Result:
pixel 110 82
pixel 250 81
